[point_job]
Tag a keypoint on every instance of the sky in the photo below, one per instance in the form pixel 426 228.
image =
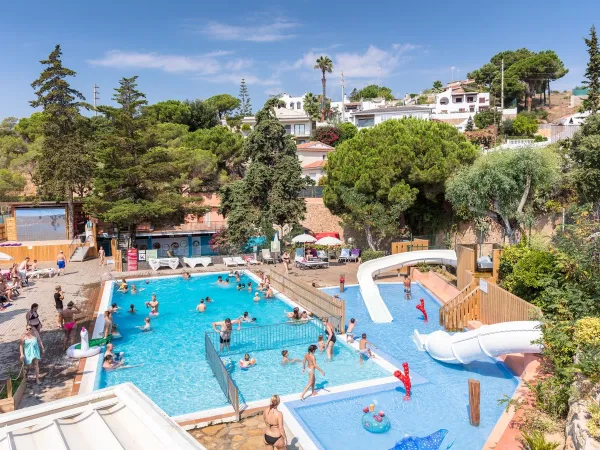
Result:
pixel 184 49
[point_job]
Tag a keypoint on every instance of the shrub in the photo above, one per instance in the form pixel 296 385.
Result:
pixel 246 127
pixel 368 255
pixel 552 396
pixel 347 130
pixel 327 135
pixel 594 420
pixel 537 441
pixel 484 119
pixel 506 128
pixel 525 125
pixel 587 331
pixel 539 138
pixel 588 362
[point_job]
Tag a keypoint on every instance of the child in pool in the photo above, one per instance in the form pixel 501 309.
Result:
pixel 239 286
pixel 208 299
pixel 134 289
pixel 219 279
pixel 146 326
pixel 256 297
pixel 247 362
pixel 350 331
pixel 363 349
pixel 321 343
pixel 286 360
pixel 249 286
pixel 132 309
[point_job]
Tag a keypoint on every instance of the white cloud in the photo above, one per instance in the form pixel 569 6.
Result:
pixel 276 30
pixel 239 64
pixel 235 78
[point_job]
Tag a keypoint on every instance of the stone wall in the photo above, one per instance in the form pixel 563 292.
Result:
pixel 319 219
pixel 577 433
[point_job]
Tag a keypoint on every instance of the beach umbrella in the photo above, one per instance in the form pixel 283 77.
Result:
pixel 5 257
pixel 329 241
pixel 303 238
pixel 275 244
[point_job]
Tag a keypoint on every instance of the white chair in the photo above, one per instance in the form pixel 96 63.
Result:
pixel 239 261
pixel 344 255
pixel 205 261
pixel 229 262
pixel 37 273
pixel 266 256
pixel 156 263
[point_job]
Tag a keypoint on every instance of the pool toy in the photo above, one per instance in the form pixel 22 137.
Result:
pixel 98 342
pixel 487 341
pixel 116 335
pixel 84 350
pixel 421 307
pixel 431 442
pixel 405 379
pixel 153 314
pixel 375 423
pixel 228 363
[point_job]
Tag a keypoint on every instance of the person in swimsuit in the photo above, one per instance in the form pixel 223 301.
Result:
pixel 286 261
pixel 246 318
pixel 249 286
pixel 321 343
pixel 108 324
pixel 246 362
pixel 275 432
pixel 208 299
pixel 61 263
pixel 16 277
pixel 226 327
pixel 101 255
pixel 331 339
pixel 311 361
pixel 219 279
pixel 33 320
pixel 295 314
pixel 153 305
pixel 110 351
pixel 114 308
pixel 269 292
pixel 123 287
pixel 285 359
pixel 256 297
pixel 407 288
pixel 201 306
pixel 146 326
pixel 132 309
pixel 350 331
pixel 67 321
pixel 363 350
pixel 186 276
pixel 109 363
pixel 30 351
pixel 59 296
pixel 134 289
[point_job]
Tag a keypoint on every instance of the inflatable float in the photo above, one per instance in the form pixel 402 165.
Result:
pixel 431 442
pixel 84 349
pixel 373 422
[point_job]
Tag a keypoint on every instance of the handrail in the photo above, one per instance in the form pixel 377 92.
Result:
pixel 223 376
pixel 461 309
pixel 452 303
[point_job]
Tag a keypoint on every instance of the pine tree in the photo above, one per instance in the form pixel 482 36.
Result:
pixel 245 108
pixel 470 126
pixel 592 102
pixel 64 164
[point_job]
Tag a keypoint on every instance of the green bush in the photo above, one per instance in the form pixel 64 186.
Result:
pixel 538 138
pixel 588 362
pixel 594 420
pixel 537 441
pixel 525 125
pixel 368 255
pixel 587 331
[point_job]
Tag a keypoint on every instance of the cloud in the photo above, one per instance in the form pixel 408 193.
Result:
pixel 325 49
pixel 251 79
pixel 276 30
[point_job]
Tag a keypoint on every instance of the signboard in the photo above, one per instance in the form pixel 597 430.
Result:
pixel 132 259
pixel 151 254
pixel 483 285
pixel 141 255
pixel 123 241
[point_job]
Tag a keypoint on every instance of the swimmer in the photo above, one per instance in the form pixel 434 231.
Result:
pixel 269 293
pixel 230 274
pixel 286 360
pixel 350 331
pixel 304 315
pixel 208 299
pixel 311 361
pixel 219 279
pixel 227 280
pixel 249 286
pixel 123 288
pixel 336 296
pixel 186 276
pixel 321 343
pixel 153 305
pixel 110 351
pixel 201 306
pixel 239 286
pixel 407 288
pixel 295 314
pixel 363 349
pixel 237 276
pixel 132 309
pixel 256 297
pixel 110 364
pixel 146 326
pixel 147 281
pixel 226 327
pixel 246 318
pixel 247 362
pixel 114 308
pixel 134 289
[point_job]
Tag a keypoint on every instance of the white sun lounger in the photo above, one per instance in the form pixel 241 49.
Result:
pixel 155 263
pixel 230 262
pixel 250 260
pixel 266 256
pixel 37 273
pixel 205 261
pixel 303 263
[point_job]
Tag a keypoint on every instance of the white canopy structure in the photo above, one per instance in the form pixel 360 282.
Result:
pixel 329 240
pixel 303 238
pixel 5 257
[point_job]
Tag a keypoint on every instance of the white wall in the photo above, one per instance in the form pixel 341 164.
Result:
pixel 311 157
pixel 481 99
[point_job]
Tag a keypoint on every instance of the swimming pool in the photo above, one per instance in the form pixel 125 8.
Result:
pixel 170 360
pixel 441 401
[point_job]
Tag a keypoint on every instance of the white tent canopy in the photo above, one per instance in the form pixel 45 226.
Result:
pixel 329 240
pixel 5 257
pixel 303 238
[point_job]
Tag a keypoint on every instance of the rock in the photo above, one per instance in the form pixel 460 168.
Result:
pixel 251 423
pixel 211 430
pixel 253 443
pixel 576 429
pixel 236 431
pixel 238 438
pixel 255 432
pixel 235 425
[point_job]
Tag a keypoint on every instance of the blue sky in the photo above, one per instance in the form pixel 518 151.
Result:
pixel 194 49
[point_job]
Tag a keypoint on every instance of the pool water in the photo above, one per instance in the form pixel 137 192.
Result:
pixel 170 364
pixel 442 401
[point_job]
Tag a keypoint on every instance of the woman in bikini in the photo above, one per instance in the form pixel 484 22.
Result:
pixel 108 324
pixel 331 339
pixel 33 320
pixel 67 321
pixel 286 261
pixel 310 359
pixel 274 433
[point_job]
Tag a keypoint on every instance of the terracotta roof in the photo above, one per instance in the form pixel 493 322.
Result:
pixel 451 121
pixel 315 165
pixel 315 146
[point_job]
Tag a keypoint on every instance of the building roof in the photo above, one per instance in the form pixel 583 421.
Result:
pixel 450 121
pixel 393 109
pixel 315 146
pixel 290 114
pixel 116 418
pixel 315 165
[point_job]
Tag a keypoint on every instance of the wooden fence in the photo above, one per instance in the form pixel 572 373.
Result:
pixel 466 263
pixel 11 228
pixel 455 314
pixel 310 298
pixel 410 246
pixel 39 252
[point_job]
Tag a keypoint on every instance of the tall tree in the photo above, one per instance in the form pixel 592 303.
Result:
pixel 269 192
pixel 311 106
pixel 592 74
pixel 202 115
pixel 371 91
pixel 584 152
pixel 170 111
pixel 245 108
pixel 135 182
pixel 470 125
pixel 325 65
pixel 64 163
pixel 225 104
pixel 394 174
pixel 437 86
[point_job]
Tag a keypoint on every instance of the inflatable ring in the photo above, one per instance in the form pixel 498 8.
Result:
pixel 374 423
pixel 72 352
pixel 154 314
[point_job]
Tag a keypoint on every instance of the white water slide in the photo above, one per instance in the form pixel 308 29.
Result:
pixel 488 341
pixel 366 271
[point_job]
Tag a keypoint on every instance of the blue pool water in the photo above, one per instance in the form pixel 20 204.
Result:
pixel 174 371
pixel 440 402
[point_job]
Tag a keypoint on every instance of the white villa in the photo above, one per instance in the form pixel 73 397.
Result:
pixel 371 117
pixel 296 123
pixel 313 156
pixel 458 98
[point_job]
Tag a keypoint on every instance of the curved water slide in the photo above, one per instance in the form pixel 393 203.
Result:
pixel 366 271
pixel 488 341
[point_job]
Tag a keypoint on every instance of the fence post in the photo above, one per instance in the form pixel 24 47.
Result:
pixel 9 392
pixel 474 402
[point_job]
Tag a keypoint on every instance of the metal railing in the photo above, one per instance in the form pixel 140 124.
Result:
pixel 222 375
pixel 312 192
pixel 268 337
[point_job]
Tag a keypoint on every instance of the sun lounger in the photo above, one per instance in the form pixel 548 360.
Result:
pixel 205 261
pixel 230 262
pixel 37 273
pixel 266 256
pixel 239 260
pixel 155 263
pixel 344 255
pixel 250 260
pixel 354 255
pixel 302 263
pixel 322 254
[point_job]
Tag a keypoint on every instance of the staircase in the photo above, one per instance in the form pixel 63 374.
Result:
pixel 463 308
pixel 79 254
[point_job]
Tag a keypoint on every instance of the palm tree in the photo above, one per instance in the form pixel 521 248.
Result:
pixel 326 65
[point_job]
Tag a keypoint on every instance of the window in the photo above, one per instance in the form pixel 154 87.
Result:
pixel 367 122
pixel 470 99
pixel 300 129
pixel 481 99
pixel 444 101
pixel 292 105
pixel 301 141
pixel 458 100
pixel 471 108
pixel 298 105
pixel 462 110
pixel 288 129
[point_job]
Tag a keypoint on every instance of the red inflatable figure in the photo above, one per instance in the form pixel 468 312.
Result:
pixel 405 378
pixel 421 308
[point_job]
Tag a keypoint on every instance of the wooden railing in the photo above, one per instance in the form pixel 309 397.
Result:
pixel 455 314
pixel 499 305
pixel 310 298
pixel 466 263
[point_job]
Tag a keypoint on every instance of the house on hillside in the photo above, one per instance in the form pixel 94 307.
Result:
pixel 460 98
pixel 296 123
pixel 371 117
pixel 313 156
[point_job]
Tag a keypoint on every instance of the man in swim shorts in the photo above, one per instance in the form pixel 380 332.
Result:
pixel 61 263
pixel 225 329
pixel 201 306
pixel 153 305
pixel 407 289
pixel 67 322
pixel 363 350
